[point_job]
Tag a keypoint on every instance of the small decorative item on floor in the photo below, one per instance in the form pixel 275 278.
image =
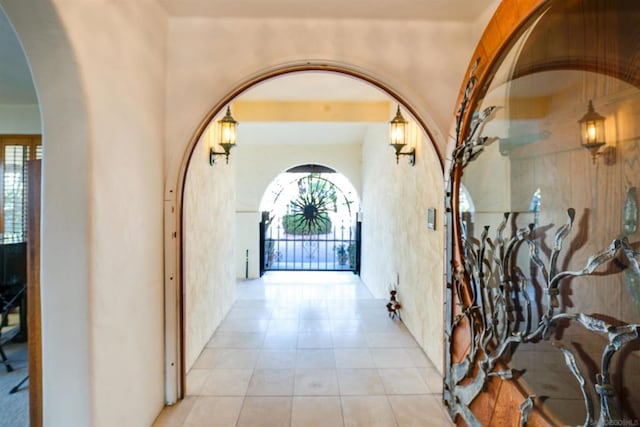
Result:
pixel 393 306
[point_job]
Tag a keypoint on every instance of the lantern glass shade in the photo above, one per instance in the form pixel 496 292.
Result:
pixel 592 129
pixel 398 130
pixel 228 130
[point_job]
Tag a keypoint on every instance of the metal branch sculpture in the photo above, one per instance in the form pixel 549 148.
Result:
pixel 310 210
pixel 489 278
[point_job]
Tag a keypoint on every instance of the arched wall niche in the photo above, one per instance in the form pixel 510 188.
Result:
pixel 175 248
pixel 486 376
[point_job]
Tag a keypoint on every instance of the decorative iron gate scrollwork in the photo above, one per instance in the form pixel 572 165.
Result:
pixel 312 225
pixel 487 293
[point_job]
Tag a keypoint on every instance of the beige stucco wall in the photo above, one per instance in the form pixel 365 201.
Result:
pixel 66 382
pixel 397 248
pixel 209 224
pixel 120 47
pixel 423 62
pixel 102 97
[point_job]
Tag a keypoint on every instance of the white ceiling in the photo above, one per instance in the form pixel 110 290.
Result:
pixel 430 10
pixel 301 133
pixel 308 86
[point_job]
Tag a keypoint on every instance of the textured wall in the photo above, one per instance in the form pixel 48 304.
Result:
pixel 120 49
pixel 98 68
pixel 65 242
pixel 396 244
pixel 209 224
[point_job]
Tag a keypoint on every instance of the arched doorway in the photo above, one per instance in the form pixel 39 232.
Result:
pixel 310 222
pixel 402 256
pixel 64 243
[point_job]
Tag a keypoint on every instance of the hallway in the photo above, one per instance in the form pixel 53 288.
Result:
pixel 309 349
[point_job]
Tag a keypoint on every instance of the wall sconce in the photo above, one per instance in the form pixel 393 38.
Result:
pixel 227 127
pixel 592 135
pixel 398 137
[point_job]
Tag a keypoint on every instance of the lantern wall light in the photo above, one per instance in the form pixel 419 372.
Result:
pixel 398 138
pixel 592 134
pixel 227 137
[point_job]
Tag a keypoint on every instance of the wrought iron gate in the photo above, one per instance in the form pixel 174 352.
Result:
pixel 336 250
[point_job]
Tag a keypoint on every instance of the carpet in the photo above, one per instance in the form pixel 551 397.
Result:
pixel 14 408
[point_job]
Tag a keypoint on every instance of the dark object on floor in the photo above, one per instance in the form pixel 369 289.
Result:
pixel 393 306
pixel 8 300
pixel 17 387
pixel 13 284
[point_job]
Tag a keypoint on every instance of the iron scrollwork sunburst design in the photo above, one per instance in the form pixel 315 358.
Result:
pixel 310 210
pixel 489 277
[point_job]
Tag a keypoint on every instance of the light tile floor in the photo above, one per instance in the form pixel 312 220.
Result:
pixel 309 349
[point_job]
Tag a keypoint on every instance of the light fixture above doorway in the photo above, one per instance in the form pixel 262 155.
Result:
pixel 227 137
pixel 398 137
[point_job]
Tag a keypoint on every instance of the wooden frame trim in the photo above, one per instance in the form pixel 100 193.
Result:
pixel 503 28
pixel 33 294
pixel 34 322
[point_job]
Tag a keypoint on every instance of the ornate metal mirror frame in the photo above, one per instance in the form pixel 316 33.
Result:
pixel 488 312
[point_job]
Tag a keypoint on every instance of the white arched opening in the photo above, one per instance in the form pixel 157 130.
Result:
pixel 309 215
pixel 402 191
pixel 65 266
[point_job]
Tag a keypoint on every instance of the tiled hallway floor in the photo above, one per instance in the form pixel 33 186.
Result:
pixel 309 349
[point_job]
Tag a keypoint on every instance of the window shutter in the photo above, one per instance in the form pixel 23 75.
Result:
pixel 15 152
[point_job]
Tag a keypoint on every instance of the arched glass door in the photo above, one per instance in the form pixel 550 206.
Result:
pixel 543 305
